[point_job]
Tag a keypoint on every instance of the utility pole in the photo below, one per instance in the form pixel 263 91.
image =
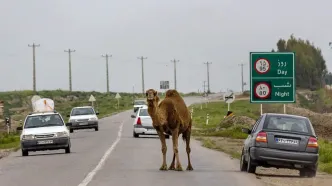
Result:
pixel 69 55
pixel 142 64
pixel 107 78
pixel 208 75
pixel 34 64
pixel 204 85
pixel 242 83
pixel 175 61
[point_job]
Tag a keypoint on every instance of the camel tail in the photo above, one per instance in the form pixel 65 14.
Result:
pixel 184 135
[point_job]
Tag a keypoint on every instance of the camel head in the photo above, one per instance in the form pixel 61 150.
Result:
pixel 151 96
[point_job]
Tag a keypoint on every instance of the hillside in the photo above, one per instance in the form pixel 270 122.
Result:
pixel 17 104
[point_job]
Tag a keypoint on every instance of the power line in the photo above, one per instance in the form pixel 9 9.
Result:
pixel 142 64
pixel 69 56
pixel 175 61
pixel 107 77
pixel 208 75
pixel 34 64
pixel 242 83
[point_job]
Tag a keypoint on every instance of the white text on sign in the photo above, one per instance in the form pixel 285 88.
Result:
pixel 282 94
pixel 282 72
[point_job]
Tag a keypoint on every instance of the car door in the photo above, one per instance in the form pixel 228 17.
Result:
pixel 248 141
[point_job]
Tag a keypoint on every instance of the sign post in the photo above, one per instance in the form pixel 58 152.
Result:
pixel 272 78
pixel 117 96
pixel 92 99
pixel 164 85
pixel 229 97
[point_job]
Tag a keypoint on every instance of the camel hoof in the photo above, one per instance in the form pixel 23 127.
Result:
pixel 172 167
pixel 189 168
pixel 179 168
pixel 163 168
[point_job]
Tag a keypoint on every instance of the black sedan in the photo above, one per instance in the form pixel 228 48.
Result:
pixel 281 141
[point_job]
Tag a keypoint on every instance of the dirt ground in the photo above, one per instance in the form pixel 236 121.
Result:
pixel 269 176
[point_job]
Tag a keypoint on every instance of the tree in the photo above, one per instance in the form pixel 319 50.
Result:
pixel 310 65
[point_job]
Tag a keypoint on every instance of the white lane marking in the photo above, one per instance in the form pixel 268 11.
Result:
pixel 102 161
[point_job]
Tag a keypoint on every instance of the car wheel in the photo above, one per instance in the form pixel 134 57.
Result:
pixel 243 163
pixel 250 167
pixel 67 149
pixel 71 130
pixel 25 153
pixel 308 172
pixel 96 128
pixel 135 135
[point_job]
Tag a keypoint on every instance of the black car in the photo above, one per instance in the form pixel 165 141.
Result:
pixel 281 141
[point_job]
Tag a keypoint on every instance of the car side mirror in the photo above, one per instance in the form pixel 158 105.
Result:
pixel 68 115
pixel 19 128
pixel 246 131
pixel 133 116
pixel 69 124
pixel 97 113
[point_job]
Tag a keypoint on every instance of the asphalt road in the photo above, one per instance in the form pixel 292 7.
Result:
pixel 112 157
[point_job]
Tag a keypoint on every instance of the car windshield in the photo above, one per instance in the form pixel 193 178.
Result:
pixel 139 103
pixel 82 111
pixel 143 112
pixel 43 121
pixel 289 124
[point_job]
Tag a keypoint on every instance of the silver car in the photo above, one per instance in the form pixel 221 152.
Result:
pixel 143 123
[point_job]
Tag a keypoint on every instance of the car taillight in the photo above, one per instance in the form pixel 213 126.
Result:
pixel 312 142
pixel 139 121
pixel 261 137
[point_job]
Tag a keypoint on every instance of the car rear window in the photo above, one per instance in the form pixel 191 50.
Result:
pixel 288 124
pixel 139 103
pixel 143 112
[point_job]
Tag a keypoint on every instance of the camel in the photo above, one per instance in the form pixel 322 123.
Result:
pixel 172 117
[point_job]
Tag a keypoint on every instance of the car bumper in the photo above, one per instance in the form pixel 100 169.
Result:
pixel 89 124
pixel 57 143
pixel 281 156
pixel 145 130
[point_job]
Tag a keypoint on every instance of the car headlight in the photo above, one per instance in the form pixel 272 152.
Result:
pixel 28 137
pixel 61 134
pixel 92 119
pixel 71 120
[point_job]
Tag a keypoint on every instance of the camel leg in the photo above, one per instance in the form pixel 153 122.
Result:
pixel 175 137
pixel 172 166
pixel 163 149
pixel 188 149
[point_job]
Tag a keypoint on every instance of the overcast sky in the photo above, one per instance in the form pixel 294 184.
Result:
pixel 193 31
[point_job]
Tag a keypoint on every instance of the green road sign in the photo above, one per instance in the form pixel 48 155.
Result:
pixel 272 77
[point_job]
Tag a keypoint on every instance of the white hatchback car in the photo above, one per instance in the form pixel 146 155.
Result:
pixel 143 123
pixel 83 118
pixel 44 131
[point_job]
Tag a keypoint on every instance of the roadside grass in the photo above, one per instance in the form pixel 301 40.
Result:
pixel 229 138
pixel 10 141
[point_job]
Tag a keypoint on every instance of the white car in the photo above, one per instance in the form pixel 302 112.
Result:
pixel 138 104
pixel 143 123
pixel 44 131
pixel 83 118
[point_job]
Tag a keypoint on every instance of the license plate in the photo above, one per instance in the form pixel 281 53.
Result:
pixel 84 123
pixel 287 141
pixel 45 142
pixel 152 130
